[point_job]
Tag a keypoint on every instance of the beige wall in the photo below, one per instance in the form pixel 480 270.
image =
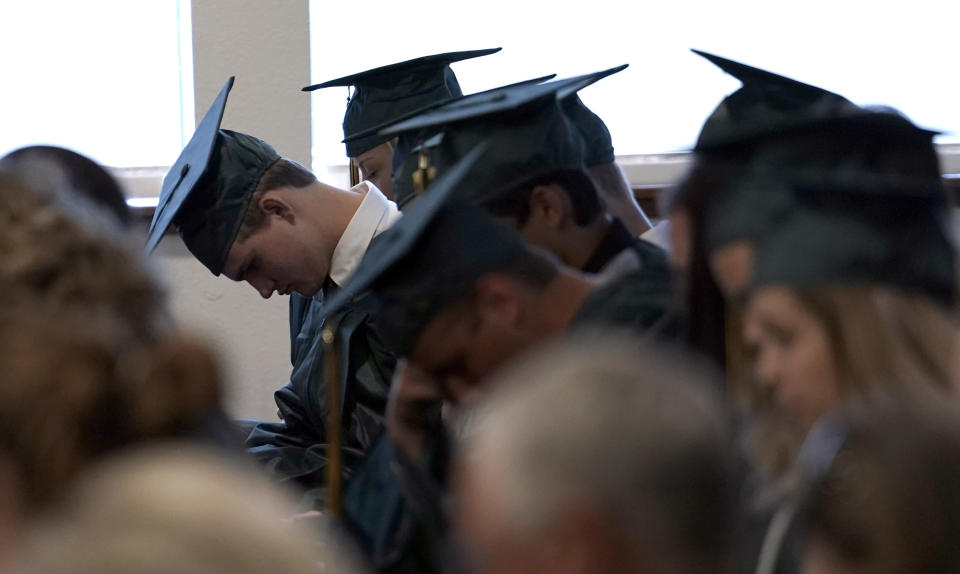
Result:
pixel 266 46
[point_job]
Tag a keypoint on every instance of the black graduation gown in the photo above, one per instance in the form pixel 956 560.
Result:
pixel 295 449
pixel 396 505
pixel 617 238
pixel 639 299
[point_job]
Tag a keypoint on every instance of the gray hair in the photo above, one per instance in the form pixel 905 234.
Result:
pixel 636 434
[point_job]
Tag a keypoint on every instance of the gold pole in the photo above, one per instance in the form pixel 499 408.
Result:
pixel 354 173
pixel 334 440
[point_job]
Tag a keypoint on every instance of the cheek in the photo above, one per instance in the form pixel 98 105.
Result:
pixel 733 267
pixel 490 349
pixel 811 379
pixel 536 231
pixel 385 184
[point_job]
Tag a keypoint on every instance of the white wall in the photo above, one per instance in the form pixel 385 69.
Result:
pixel 266 46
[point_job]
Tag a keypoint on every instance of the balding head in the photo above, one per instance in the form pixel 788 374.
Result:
pixel 596 452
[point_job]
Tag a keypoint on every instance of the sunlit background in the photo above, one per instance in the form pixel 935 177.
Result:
pixel 108 77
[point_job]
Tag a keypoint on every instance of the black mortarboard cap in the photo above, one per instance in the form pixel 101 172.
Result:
pixel 428 259
pixel 406 142
pixel 387 92
pixel 857 203
pixel 207 191
pixel 528 132
pixel 598 145
pixel 766 103
pixel 876 149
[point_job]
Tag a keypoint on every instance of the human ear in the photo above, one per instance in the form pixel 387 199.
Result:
pixel 499 300
pixel 275 204
pixel 547 203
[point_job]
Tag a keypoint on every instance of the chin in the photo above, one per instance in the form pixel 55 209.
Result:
pixel 309 291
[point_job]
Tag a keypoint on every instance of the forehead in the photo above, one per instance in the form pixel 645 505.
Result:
pixel 442 340
pixel 378 152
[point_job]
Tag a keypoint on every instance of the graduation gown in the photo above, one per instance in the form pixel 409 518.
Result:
pixel 617 238
pixel 295 449
pixel 397 505
pixel 636 293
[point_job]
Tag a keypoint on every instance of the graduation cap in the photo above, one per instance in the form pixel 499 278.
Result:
pixel 528 131
pixel 857 204
pixel 387 92
pixel 766 103
pixel 431 257
pixel 596 137
pixel 207 191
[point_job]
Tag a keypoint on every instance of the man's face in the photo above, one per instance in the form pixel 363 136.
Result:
pixel 280 257
pixel 470 341
pixel 375 165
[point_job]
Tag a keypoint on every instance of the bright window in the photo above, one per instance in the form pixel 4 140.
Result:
pixel 892 53
pixel 103 77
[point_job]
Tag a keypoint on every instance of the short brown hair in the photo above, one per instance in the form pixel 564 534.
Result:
pixel 98 390
pixel 283 173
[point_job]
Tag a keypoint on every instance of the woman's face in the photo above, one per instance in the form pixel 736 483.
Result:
pixel 792 357
pixel 821 559
pixel 375 164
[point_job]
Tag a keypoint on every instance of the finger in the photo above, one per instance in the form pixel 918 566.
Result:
pixel 413 383
pixel 460 392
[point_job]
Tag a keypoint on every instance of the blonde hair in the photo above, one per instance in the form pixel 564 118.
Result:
pixel 885 342
pixel 175 508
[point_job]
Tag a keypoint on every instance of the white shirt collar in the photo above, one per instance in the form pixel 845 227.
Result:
pixel 374 216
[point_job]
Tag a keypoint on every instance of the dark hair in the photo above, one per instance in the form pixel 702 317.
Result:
pixel 283 173
pixel 81 175
pixel 531 268
pixel 515 203
pixel 704 307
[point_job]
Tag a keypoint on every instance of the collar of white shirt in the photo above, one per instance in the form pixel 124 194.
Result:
pixel 374 216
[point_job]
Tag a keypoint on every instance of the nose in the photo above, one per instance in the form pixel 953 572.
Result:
pixel 766 369
pixel 263 286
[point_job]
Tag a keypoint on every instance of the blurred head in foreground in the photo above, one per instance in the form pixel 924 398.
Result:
pixel 76 388
pixel 72 175
pixel 60 254
pixel 883 494
pixel 175 509
pixel 597 456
